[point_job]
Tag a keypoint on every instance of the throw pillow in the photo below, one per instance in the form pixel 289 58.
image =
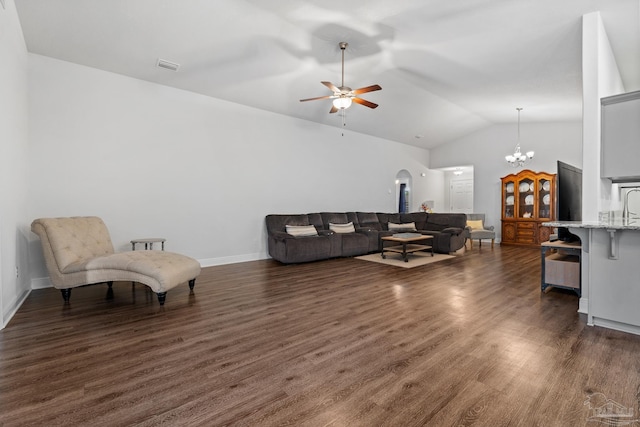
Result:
pixel 407 226
pixel 475 224
pixel 342 228
pixel 301 230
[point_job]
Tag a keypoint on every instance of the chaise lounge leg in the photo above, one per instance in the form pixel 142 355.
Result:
pixel 66 294
pixel 110 290
pixel 192 283
pixel 161 297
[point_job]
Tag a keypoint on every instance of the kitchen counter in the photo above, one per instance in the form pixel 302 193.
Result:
pixel 610 272
pixel 618 224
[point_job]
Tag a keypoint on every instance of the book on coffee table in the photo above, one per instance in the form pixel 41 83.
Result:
pixel 406 235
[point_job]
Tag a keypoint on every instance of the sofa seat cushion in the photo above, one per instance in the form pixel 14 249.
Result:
pixel 159 270
pixel 304 249
pixel 354 244
pixel 482 234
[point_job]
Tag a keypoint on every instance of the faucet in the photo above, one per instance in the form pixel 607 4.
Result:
pixel 625 210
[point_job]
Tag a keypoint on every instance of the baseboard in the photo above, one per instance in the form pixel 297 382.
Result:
pixel 618 326
pixel 14 308
pixel 583 305
pixel 41 283
pixel 210 262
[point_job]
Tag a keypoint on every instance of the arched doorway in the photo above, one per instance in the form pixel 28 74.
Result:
pixel 403 191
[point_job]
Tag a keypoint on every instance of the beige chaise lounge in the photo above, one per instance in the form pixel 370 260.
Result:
pixel 78 251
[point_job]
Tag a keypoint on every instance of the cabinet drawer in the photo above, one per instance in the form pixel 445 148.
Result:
pixel 525 238
pixel 525 225
pixel 563 270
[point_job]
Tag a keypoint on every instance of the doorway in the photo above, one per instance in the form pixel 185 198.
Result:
pixel 403 191
pixel 461 196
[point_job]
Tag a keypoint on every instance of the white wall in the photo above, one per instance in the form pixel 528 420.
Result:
pixel 201 172
pixel 485 150
pixel 601 78
pixel 13 163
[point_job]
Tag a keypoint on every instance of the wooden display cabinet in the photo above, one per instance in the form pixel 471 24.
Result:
pixel 528 199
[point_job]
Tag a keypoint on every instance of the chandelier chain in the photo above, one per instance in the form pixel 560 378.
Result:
pixel 517 159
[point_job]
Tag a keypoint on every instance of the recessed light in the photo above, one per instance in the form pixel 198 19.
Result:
pixel 418 136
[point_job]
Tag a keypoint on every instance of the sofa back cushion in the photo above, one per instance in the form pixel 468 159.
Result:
pixel 385 218
pixel 315 219
pixel 368 220
pixel 334 218
pixel 419 218
pixel 74 239
pixel 440 221
pixel 278 222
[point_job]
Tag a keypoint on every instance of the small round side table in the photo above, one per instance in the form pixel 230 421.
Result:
pixel 148 243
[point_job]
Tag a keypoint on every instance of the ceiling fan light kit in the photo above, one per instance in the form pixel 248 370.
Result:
pixel 342 102
pixel 343 96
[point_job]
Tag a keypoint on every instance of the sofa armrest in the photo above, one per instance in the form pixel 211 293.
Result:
pixel 490 228
pixel 280 235
pixel 453 230
pixel 325 233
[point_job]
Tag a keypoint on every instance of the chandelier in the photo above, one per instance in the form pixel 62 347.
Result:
pixel 517 159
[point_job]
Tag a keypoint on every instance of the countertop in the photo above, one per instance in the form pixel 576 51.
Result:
pixel 617 224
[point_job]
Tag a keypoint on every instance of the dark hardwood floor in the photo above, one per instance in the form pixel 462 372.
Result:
pixel 466 341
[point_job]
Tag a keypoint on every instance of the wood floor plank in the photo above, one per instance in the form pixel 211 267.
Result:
pixel 468 341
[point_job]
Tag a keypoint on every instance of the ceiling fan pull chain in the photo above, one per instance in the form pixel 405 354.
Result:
pixel 344 120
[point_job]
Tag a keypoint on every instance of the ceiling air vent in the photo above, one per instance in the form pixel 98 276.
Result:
pixel 168 65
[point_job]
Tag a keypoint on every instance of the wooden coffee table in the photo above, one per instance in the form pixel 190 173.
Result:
pixel 409 243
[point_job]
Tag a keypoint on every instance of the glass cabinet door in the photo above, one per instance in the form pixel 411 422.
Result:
pixel 526 199
pixel 509 197
pixel 544 198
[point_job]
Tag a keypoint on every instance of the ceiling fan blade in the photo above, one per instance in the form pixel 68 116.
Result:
pixel 331 86
pixel 364 102
pixel 366 89
pixel 334 109
pixel 319 97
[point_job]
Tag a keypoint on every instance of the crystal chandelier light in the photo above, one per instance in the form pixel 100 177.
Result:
pixel 517 159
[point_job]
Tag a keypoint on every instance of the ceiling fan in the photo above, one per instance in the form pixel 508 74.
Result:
pixel 344 95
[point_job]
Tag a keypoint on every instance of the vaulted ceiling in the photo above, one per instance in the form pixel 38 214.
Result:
pixel 447 68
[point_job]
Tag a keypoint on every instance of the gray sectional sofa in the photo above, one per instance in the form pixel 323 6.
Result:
pixel 448 230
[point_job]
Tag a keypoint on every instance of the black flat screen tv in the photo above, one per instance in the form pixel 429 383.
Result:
pixel 569 197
